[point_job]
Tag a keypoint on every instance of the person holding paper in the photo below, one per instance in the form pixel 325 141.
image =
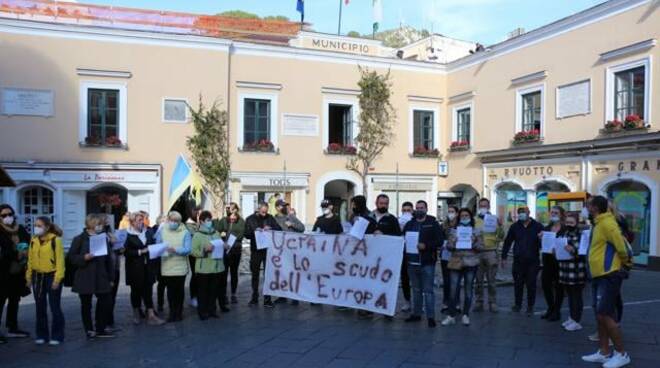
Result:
pixel 259 221
pixel 552 289
pixel 289 223
pixel 94 276
pixel 175 266
pixel 231 224
pixel 141 270
pixel 407 209
pixel 360 210
pixel 116 261
pixel 388 224
pixel 573 274
pixel 524 236
pixel 421 266
pixel 451 221
pixel 492 233
pixel 463 265
pixel 208 268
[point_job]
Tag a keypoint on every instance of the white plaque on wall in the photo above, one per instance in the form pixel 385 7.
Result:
pixel 300 125
pixel 32 102
pixel 574 99
pixel 443 168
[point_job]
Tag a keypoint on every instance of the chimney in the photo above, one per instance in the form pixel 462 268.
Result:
pixel 515 33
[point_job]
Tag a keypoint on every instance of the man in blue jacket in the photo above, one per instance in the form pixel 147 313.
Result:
pixel 421 266
pixel 524 235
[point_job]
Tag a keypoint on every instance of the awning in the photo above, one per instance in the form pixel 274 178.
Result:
pixel 5 179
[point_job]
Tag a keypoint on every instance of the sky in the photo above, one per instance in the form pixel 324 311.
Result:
pixel 484 21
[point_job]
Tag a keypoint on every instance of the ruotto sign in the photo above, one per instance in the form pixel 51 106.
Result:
pixel 335 269
pixel 529 171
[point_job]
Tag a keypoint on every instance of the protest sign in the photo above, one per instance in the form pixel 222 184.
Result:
pixel 157 250
pixel 412 240
pixel 585 240
pixel 464 237
pixel 548 241
pixel 98 245
pixel 490 224
pixel 335 269
pixel 560 249
pixel 120 236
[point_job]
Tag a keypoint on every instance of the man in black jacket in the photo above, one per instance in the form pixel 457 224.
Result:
pixel 329 222
pixel 359 208
pixel 258 221
pixel 386 223
pixel 524 235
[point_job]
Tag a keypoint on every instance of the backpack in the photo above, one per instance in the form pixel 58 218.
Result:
pixel 69 268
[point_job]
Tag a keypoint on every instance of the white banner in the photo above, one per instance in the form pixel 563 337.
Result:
pixel 335 269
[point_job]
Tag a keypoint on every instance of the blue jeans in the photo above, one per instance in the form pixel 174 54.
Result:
pixel 466 274
pixel 421 281
pixel 44 296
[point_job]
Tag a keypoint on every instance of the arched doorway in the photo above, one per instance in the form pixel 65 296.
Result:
pixel 109 199
pixel 35 201
pixel 339 192
pixel 542 191
pixel 508 198
pixel 461 196
pixel 633 200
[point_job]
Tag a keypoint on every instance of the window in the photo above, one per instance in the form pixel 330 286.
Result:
pixel 423 130
pixel 463 121
pixel 256 121
pixel 531 111
pixel 36 201
pixel 102 116
pixel 629 88
pixel 175 110
pixel 340 124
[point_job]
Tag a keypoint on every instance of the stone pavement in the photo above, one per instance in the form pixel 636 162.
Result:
pixel 306 336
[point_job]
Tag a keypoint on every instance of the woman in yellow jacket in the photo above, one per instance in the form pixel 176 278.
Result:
pixel 45 272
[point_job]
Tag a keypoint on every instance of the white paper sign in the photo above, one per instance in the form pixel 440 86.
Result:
pixel 412 239
pixel 359 228
pixel 264 239
pixel 445 254
pixel 98 245
pixel 231 240
pixel 464 237
pixel 560 250
pixel 218 249
pixel 157 250
pixel 585 240
pixel 321 268
pixel 490 224
pixel 548 241
pixel 121 236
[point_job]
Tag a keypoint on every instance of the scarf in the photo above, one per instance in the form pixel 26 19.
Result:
pixel 141 235
pixel 12 231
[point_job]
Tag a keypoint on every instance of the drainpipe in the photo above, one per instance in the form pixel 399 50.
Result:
pixel 228 105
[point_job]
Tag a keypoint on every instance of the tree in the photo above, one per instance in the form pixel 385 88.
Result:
pixel 239 14
pixel 353 34
pixel 375 122
pixel 209 147
pixel 277 17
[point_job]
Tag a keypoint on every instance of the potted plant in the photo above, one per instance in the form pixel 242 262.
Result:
pixel 350 150
pixel 459 146
pixel 613 126
pixel 262 145
pixel 422 151
pixel 339 149
pixel 527 136
pixel 633 121
pixel 334 148
pixel 92 141
pixel 113 141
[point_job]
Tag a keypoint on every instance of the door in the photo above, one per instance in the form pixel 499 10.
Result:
pixel 248 203
pixel 73 214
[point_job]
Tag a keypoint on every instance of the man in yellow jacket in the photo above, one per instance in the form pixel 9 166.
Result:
pixel 609 262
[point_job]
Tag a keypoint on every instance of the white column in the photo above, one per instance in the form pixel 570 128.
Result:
pixel 531 202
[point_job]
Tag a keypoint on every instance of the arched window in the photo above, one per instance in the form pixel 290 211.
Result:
pixel 510 197
pixel 542 191
pixel 36 201
pixel 633 201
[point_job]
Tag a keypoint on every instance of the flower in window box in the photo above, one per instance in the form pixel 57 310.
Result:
pixel 113 140
pixel 425 152
pixel 459 145
pixel 633 121
pixel 263 145
pixel 335 148
pixel 92 141
pixel 349 149
pixel 525 136
pixel 614 125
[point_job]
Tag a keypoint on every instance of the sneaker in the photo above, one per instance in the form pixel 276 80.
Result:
pixel 53 343
pixel 449 320
pixel 493 307
pixel 567 322
pixel 254 301
pixel 573 326
pixel 268 304
pixel 617 360
pixel 405 307
pixel 594 337
pixel 413 319
pixel 17 334
pixel 234 299
pixel 596 357
pixel 39 341
pixel 431 323
pixel 152 321
pixel 91 335
pixel 478 307
pixel 193 302
pixel 466 320
pixel 105 335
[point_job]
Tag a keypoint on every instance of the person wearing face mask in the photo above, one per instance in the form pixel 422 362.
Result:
pixel 523 235
pixel 552 289
pixel 288 222
pixel 45 272
pixel 359 209
pixel 488 262
pixel 94 277
pixel 573 274
pixel 160 288
pixel 450 223
pixel 328 222
pixel 463 266
pixel 193 226
pixel 208 268
pixel 231 224
pixel 259 221
pixel 407 210
pixel 141 271
pixel 386 223
pixel 14 240
pixel 421 266
pixel 174 266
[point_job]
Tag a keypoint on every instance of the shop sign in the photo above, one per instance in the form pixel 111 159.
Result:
pixel 340 45
pixel 103 177
pixel 529 171
pixel 443 168
pixel 645 165
pixel 281 182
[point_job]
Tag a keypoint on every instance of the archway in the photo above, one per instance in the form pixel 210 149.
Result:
pixel 343 186
pixel 109 199
pixel 542 190
pixel 339 193
pixel 633 201
pixel 509 197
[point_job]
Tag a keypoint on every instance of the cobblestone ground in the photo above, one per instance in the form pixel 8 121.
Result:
pixel 308 336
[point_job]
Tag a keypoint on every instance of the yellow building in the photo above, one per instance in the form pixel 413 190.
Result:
pixel 93 116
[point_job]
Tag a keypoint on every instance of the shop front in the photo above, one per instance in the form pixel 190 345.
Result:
pixel 68 192
pixel 404 188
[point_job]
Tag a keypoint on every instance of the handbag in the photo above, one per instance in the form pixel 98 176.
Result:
pixel 455 262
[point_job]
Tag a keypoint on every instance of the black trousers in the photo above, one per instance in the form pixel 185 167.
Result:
pixel 160 292
pixel 142 292
pixel 175 286
pixel 11 319
pixel 207 293
pixel 446 284
pixel 193 277
pixel 524 276
pixel 405 280
pixel 101 314
pixel 221 295
pixel 257 259
pixel 232 261
pixel 575 301
pixel 553 291
pixel 113 300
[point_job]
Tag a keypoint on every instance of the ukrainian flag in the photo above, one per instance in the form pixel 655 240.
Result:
pixel 184 177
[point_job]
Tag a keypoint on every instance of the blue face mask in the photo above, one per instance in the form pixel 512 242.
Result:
pixel 465 221
pixel 522 217
pixel 173 225
pixel 208 225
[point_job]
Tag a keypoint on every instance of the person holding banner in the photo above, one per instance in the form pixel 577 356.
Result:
pixel 573 274
pixel 259 221
pixel 174 267
pixel 465 242
pixel 329 222
pixel 141 269
pixel 208 268
pixel 421 260
pixel 290 223
pixel 94 277
pixel 552 289
pixel 492 232
pixel 451 221
pixel 231 224
pixel 360 210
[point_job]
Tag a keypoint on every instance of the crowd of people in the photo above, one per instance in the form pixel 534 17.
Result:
pixel 38 264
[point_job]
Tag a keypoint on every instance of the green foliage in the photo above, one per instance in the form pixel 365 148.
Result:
pixel 277 17
pixel 239 14
pixel 353 34
pixel 210 150
pixel 375 123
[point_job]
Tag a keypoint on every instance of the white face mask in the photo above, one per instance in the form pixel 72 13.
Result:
pixel 483 211
pixel 327 211
pixel 98 229
pixel 39 231
pixel 451 215
pixel 554 218
pixel 8 220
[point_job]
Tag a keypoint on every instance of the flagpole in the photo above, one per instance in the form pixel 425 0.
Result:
pixel 341 5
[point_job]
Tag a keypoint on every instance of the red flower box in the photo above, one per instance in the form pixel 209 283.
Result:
pixel 421 151
pixel 263 145
pixel 339 149
pixel 459 146
pixel 527 136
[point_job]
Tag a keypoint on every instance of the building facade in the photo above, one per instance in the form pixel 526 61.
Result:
pixel 93 117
